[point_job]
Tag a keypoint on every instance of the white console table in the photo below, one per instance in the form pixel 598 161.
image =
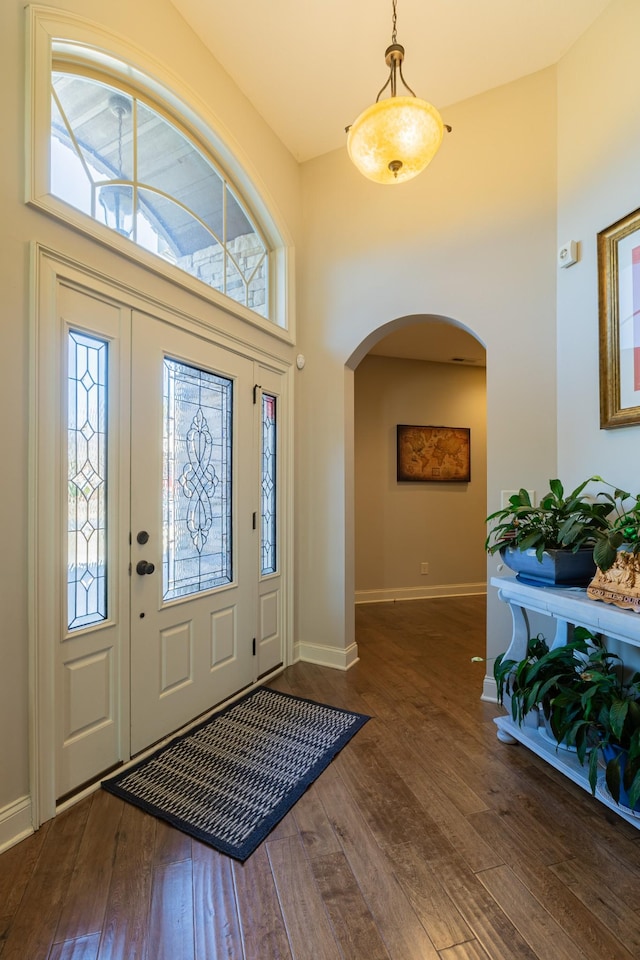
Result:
pixel 569 607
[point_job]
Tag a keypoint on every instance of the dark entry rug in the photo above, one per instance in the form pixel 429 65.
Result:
pixel 231 779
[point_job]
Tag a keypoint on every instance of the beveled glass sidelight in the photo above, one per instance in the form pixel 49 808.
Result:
pixel 86 480
pixel 268 543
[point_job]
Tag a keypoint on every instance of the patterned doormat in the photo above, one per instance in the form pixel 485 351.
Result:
pixel 231 779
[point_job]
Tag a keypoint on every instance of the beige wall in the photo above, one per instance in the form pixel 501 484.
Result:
pixel 400 525
pixel 599 182
pixel 472 240
pixel 156 28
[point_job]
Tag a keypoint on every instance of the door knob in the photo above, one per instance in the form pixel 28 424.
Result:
pixel 142 537
pixel 144 567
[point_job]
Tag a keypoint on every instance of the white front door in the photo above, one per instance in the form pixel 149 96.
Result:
pixel 156 530
pixel 194 549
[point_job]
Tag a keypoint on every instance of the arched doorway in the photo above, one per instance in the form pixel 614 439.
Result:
pixel 427 371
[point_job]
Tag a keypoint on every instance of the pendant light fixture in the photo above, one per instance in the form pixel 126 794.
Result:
pixel 394 139
pixel 116 199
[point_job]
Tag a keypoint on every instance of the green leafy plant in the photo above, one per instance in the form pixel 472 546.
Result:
pixel 600 712
pixel 537 679
pixel 559 522
pixel 623 526
pixel 581 690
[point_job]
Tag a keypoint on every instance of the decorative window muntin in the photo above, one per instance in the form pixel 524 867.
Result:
pixel 124 164
pixel 197 480
pixel 268 511
pixel 87 489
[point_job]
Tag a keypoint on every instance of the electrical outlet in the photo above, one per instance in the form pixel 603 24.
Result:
pixel 424 568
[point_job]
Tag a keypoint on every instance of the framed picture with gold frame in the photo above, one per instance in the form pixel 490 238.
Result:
pixel 433 454
pixel 619 317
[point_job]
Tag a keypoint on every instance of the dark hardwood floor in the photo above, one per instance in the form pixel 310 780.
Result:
pixel 425 839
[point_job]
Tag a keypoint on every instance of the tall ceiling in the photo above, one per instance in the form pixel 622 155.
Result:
pixel 311 66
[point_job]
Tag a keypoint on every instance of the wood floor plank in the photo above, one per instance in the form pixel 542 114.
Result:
pixel 86 896
pixel 217 926
pixel 544 935
pixel 589 934
pixel 16 867
pixel 492 927
pixel 623 922
pixel 261 922
pixel 402 932
pixel 32 931
pixel 301 902
pixel 434 908
pixel 171 925
pixel 126 923
pixel 317 834
pixel 171 845
pixel 394 814
pixel 471 950
pixel 353 925
pixel 83 948
pixel 453 824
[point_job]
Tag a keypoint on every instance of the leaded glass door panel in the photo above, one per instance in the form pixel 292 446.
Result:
pixel 193 544
pixel 83 452
pixel 269 406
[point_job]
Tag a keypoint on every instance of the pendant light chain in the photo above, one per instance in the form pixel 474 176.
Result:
pixel 394 32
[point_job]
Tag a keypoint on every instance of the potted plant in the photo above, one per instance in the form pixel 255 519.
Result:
pixel 554 541
pixel 600 712
pixel 540 677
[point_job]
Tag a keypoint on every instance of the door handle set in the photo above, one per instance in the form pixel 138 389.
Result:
pixel 143 567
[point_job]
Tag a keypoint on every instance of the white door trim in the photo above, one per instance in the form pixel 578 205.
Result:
pixel 48 268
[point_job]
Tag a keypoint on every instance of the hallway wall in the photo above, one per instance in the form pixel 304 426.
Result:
pixel 400 525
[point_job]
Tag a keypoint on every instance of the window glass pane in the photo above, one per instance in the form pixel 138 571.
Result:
pixel 197 491
pixel 268 559
pixel 235 288
pixel 125 165
pixel 257 291
pixel 99 119
pixel 87 481
pixel 171 163
pixel 174 233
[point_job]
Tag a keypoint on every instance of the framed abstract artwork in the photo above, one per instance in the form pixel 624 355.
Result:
pixel 433 454
pixel 619 318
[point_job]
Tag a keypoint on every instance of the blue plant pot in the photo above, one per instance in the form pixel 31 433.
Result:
pixel 557 567
pixel 609 752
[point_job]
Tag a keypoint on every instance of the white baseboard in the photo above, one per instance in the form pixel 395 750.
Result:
pixel 15 823
pixel 421 593
pixel 489 690
pixel 340 658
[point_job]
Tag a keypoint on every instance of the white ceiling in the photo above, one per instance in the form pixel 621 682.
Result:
pixel 311 66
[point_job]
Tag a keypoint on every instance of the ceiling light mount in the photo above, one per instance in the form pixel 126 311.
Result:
pixel 394 139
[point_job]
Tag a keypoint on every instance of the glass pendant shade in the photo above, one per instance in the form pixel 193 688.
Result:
pixel 394 139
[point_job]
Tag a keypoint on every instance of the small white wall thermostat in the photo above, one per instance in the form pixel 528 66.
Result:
pixel 300 361
pixel 568 254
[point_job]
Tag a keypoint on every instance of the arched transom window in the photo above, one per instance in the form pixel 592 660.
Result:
pixel 120 160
